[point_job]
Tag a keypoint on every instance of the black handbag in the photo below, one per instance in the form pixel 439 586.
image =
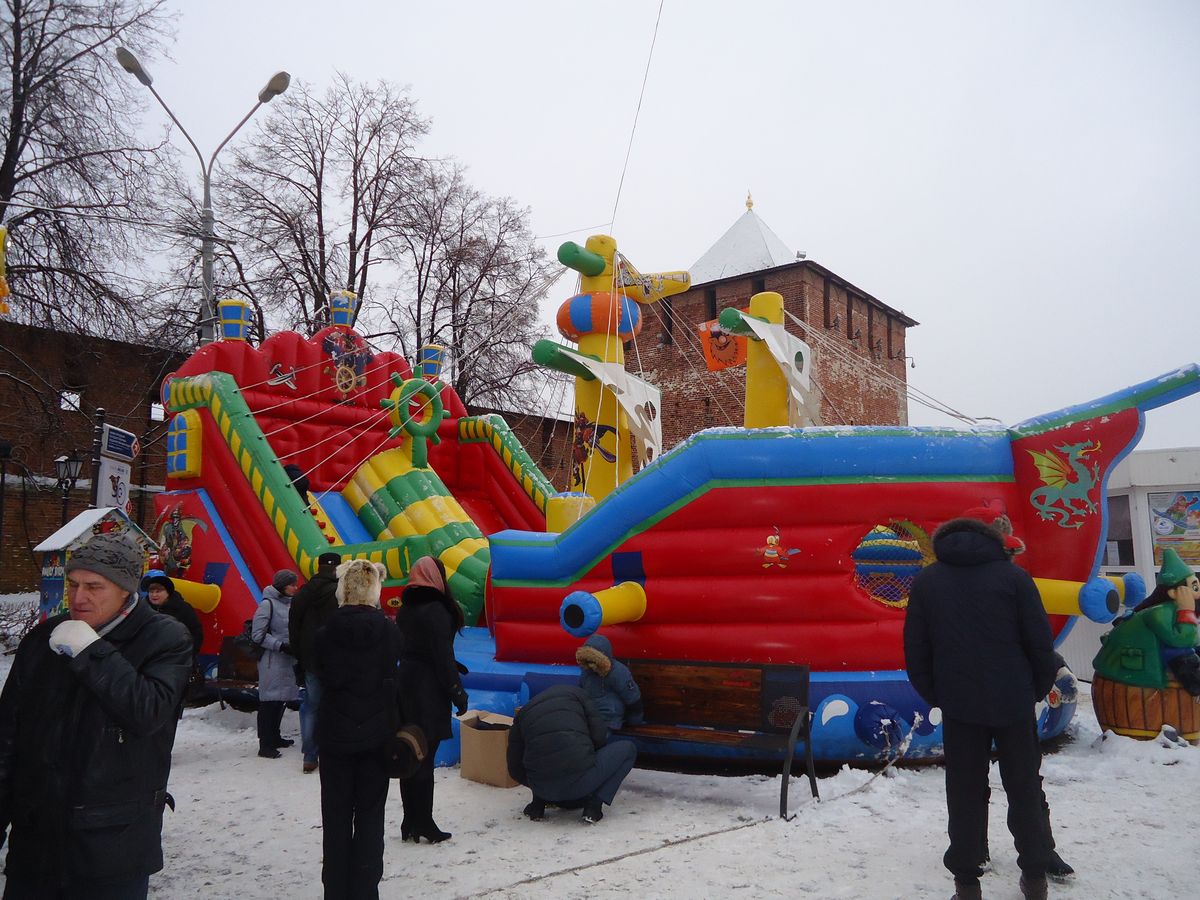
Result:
pixel 404 752
pixel 246 641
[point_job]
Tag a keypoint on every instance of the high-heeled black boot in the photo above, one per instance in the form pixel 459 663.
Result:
pixel 406 801
pixel 420 813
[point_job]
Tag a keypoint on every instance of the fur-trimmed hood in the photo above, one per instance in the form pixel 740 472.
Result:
pixel 595 655
pixel 968 542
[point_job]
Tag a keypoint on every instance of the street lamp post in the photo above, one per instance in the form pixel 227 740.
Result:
pixel 277 85
pixel 66 470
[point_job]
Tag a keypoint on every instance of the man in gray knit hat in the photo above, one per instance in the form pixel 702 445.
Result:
pixel 87 723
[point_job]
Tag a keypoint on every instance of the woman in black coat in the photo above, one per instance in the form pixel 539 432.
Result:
pixel 428 619
pixel 357 651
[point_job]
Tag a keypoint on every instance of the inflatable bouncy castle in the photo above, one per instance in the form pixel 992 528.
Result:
pixel 778 543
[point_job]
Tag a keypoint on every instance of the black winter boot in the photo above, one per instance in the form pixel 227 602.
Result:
pixel 405 823
pixel 1057 869
pixel 420 815
pixel 593 811
pixel 1033 887
pixel 967 890
pixel 535 809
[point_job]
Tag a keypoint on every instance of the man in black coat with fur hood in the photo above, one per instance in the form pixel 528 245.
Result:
pixel 978 645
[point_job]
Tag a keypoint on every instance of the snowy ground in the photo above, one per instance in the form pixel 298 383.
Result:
pixel 1126 815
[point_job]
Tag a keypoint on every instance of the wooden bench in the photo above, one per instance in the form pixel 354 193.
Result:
pixel 735 705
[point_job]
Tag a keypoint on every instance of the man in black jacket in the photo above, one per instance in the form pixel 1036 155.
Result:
pixel 311 608
pixel 557 748
pixel 87 724
pixel 978 645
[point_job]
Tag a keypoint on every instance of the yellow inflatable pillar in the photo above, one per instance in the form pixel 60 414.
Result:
pixel 766 386
pixel 601 318
pixel 582 613
pixel 564 510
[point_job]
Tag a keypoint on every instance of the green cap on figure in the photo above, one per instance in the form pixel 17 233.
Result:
pixel 1174 571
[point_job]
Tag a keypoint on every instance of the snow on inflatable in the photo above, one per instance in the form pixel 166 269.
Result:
pixel 773 545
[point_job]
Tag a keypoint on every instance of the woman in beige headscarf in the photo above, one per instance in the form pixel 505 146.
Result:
pixel 428 620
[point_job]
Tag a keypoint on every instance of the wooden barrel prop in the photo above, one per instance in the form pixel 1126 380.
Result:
pixel 1141 713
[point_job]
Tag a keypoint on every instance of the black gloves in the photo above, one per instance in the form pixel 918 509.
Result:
pixel 460 701
pixel 285 647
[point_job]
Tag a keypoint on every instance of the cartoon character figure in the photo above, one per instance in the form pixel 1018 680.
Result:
pixel 349 360
pixel 175 541
pixel 586 438
pixel 773 554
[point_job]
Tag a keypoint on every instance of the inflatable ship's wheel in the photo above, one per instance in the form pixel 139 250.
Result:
pixel 424 420
pixel 344 379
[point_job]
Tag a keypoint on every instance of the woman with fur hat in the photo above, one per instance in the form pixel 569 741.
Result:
pixel 276 669
pixel 357 651
pixel 428 619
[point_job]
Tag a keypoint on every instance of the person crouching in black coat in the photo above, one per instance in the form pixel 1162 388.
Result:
pixel 358 650
pixel 428 619
pixel 559 748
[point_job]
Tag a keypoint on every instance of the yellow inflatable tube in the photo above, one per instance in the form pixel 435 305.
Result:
pixel 1099 598
pixel 582 614
pixel 201 597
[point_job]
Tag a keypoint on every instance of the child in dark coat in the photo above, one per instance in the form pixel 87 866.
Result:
pixel 608 683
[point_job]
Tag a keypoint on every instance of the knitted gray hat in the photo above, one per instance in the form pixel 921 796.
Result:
pixel 283 579
pixel 114 556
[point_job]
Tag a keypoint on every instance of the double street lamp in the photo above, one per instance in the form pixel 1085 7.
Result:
pixel 66 471
pixel 276 86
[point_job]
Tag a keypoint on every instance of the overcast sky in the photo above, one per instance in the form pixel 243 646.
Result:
pixel 1021 178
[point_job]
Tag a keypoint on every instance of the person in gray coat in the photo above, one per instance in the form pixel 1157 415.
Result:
pixel 609 683
pixel 277 668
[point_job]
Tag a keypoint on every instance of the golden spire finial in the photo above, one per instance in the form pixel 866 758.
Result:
pixel 749 201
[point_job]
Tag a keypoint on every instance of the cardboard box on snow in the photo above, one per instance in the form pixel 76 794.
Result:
pixel 484 737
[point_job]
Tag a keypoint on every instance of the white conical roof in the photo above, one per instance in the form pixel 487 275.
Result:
pixel 748 246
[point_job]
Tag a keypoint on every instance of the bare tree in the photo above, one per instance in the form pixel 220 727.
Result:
pixel 76 182
pixel 314 197
pixel 473 275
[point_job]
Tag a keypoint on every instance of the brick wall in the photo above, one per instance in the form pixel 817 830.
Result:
pixel 855 340
pixel 36 366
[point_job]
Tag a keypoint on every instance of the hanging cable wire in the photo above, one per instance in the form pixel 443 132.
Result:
pixel 366 425
pixel 543 237
pixel 353 468
pixel 700 377
pixel 879 375
pixel 637 112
